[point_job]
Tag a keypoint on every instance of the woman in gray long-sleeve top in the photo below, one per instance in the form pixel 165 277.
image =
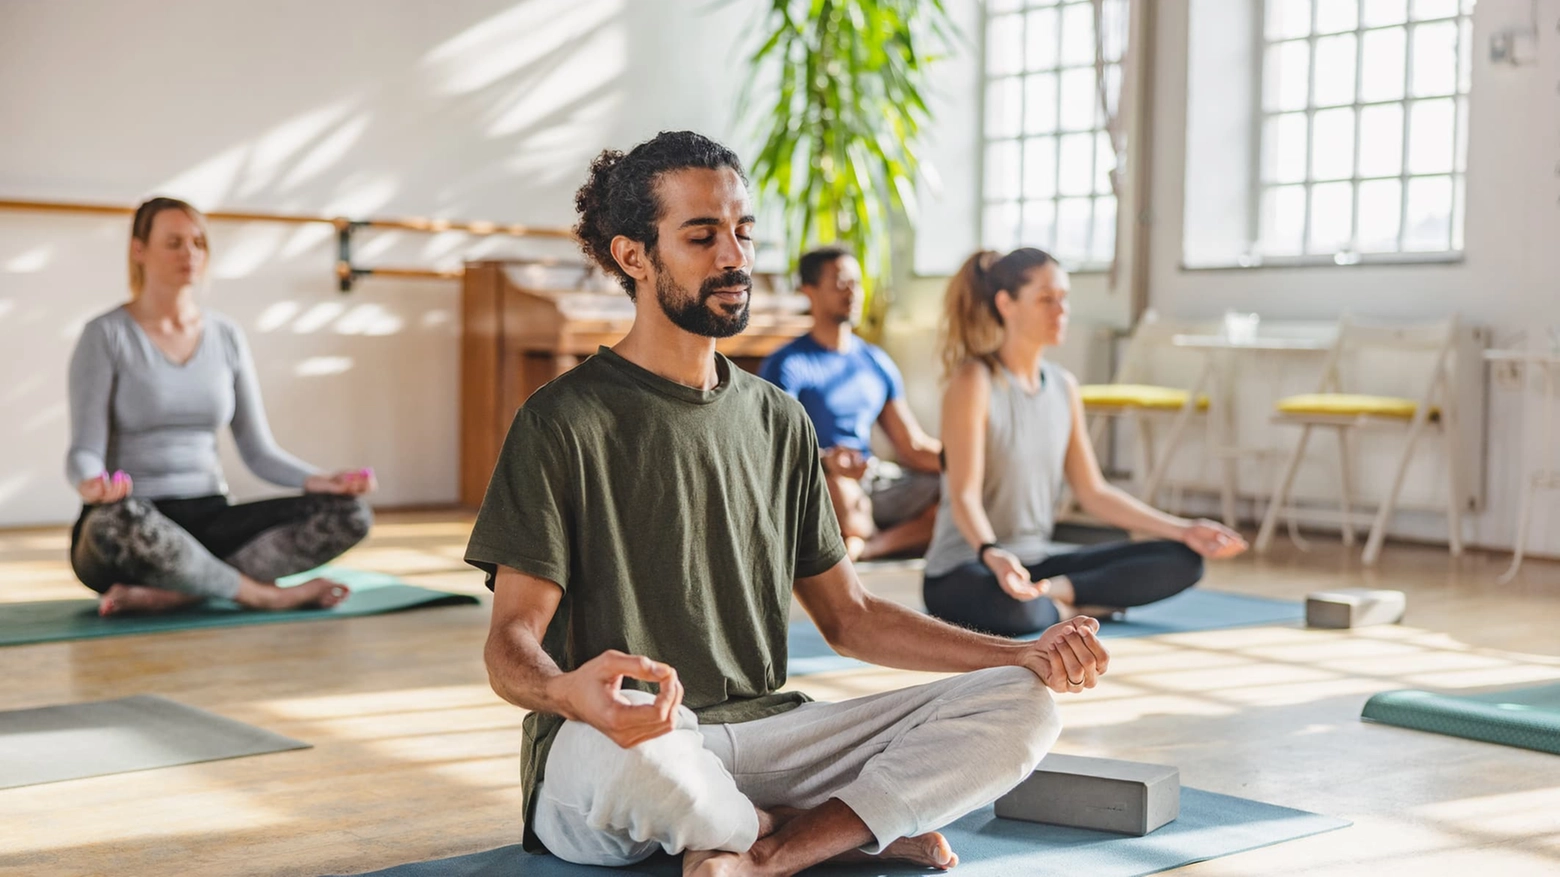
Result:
pixel 151 383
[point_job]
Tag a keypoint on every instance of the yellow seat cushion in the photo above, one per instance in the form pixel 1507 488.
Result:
pixel 1351 405
pixel 1136 396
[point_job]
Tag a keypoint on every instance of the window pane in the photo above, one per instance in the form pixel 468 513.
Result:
pixel 1288 18
pixel 1104 162
pixel 1332 145
pixel 1042 39
pixel 1333 16
pixel 1000 228
pixel 1459 208
pixel 1004 107
pixel 1078 34
pixel 1040 103
pixel 1283 149
pixel 1039 228
pixel 1435 58
pixel 1381 207
pixel 1002 169
pixel 1104 243
pixel 1004 44
pixel 1077 155
pixel 1378 12
pixel 1040 168
pixel 1382 78
pixel 1283 220
pixel 1078 99
pixel 1285 76
pixel 1115 18
pixel 1073 224
pixel 1334 71
pixel 1435 8
pixel 1381 141
pixel 1430 138
pixel 1332 212
pixel 1429 225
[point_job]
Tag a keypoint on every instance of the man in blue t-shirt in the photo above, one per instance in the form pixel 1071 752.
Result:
pixel 847 385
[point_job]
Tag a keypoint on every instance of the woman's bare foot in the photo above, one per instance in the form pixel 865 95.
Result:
pixel 312 594
pixel 930 850
pixel 125 599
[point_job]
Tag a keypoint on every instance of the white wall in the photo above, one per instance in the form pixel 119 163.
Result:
pixel 1507 280
pixel 473 109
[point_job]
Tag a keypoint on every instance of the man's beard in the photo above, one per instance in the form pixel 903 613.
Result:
pixel 692 313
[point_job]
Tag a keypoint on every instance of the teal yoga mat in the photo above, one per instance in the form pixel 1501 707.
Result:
pixel 372 594
pixel 1191 610
pixel 1528 717
pixel 1210 826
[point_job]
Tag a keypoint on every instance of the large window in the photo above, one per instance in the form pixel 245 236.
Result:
pixel 1363 128
pixel 1048 151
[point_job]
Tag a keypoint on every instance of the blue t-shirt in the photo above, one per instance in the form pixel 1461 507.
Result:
pixel 843 391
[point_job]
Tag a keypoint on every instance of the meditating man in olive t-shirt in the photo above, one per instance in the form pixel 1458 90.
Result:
pixel 650 516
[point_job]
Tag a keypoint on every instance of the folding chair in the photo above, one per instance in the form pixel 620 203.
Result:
pixel 1331 407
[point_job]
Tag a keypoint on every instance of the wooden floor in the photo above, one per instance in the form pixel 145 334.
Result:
pixel 415 758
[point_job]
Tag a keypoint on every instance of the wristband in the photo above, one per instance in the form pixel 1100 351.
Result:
pixel 980 553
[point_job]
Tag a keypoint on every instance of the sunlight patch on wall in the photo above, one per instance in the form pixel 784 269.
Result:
pixel 306 238
pixel 369 319
pixel 49 414
pixel 273 149
pixel 375 246
pixel 276 316
pixel 362 195
pixel 317 316
pixel 511 41
pixel 30 261
pixel 328 152
pixel 591 66
pixel 318 366
pixel 245 251
pixel 209 182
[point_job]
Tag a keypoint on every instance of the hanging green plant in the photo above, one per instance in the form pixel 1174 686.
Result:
pixel 841 128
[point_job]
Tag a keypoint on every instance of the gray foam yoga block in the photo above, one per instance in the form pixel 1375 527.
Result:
pixel 1104 794
pixel 1354 607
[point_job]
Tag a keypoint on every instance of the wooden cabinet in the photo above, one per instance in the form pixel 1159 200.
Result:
pixel 526 323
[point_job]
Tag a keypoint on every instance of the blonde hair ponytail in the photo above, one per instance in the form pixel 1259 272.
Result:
pixel 972 326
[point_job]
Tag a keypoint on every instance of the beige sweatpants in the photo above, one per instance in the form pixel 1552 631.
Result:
pixel 906 762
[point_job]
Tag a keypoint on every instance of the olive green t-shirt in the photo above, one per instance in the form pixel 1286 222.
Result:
pixel 675 520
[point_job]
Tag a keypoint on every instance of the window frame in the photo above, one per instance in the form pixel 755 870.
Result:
pixel 1022 9
pixel 1460 97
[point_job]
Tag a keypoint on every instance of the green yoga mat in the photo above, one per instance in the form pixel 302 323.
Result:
pixel 1528 718
pixel 372 594
pixel 73 741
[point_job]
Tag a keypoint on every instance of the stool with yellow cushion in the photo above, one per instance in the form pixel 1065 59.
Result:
pixel 1345 412
pixel 1097 397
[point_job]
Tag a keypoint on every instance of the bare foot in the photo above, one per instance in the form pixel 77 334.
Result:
pixel 930 850
pixel 125 599
pixel 705 863
pixel 314 593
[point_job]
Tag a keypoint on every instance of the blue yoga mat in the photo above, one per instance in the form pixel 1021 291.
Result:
pixel 1191 610
pixel 373 593
pixel 1210 826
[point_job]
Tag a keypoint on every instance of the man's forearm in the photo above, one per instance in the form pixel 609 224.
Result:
pixel 891 635
pixel 522 673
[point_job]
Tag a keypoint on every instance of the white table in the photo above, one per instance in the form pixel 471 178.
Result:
pixel 1543 476
pixel 1218 354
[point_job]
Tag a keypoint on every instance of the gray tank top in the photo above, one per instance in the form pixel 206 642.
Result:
pixel 1026 445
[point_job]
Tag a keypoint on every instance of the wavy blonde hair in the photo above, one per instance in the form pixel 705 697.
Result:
pixel 972 325
pixel 141 230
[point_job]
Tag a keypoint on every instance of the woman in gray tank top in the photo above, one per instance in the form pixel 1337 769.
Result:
pixel 1012 432
pixel 151 382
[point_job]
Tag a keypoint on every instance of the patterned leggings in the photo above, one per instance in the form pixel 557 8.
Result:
pixel 200 546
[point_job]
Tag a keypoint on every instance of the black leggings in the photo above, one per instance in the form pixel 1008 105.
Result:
pixel 1117 574
pixel 199 546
